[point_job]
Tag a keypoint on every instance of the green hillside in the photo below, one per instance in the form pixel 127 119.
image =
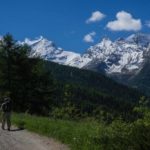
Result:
pixel 94 80
pixel 142 80
pixel 45 88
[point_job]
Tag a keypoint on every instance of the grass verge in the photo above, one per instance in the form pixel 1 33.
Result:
pixel 90 135
pixel 77 135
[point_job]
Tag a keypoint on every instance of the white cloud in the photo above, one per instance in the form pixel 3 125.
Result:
pixel 124 21
pixel 95 17
pixel 148 23
pixel 89 38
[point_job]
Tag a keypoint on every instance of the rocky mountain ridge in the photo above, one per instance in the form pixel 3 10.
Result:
pixel 122 56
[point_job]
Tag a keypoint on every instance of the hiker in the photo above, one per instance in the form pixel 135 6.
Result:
pixel 6 108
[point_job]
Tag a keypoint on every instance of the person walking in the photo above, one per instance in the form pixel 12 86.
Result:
pixel 6 108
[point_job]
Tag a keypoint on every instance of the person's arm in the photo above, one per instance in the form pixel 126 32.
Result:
pixel 1 108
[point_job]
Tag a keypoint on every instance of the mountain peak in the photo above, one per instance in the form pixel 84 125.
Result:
pixel 106 42
pixel 121 39
pixel 139 38
pixel 40 39
pixel 47 50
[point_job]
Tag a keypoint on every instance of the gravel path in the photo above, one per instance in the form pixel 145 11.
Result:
pixel 24 140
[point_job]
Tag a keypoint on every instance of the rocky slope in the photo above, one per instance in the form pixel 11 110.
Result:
pixel 123 56
pixel 49 51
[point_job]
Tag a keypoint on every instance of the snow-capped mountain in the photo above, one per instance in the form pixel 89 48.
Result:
pixel 123 56
pixel 49 51
pixel 139 39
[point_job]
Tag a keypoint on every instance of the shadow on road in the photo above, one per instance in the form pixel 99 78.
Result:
pixel 18 129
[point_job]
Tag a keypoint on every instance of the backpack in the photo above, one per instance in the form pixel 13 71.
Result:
pixel 5 107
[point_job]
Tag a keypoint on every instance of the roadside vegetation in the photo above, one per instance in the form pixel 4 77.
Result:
pixel 89 134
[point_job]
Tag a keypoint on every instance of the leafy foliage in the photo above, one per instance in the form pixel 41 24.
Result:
pixel 89 134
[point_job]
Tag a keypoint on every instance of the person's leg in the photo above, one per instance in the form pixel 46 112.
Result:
pixel 8 120
pixel 3 120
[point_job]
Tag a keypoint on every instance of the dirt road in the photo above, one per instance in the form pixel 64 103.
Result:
pixel 24 140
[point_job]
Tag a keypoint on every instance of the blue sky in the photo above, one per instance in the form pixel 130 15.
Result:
pixel 67 22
